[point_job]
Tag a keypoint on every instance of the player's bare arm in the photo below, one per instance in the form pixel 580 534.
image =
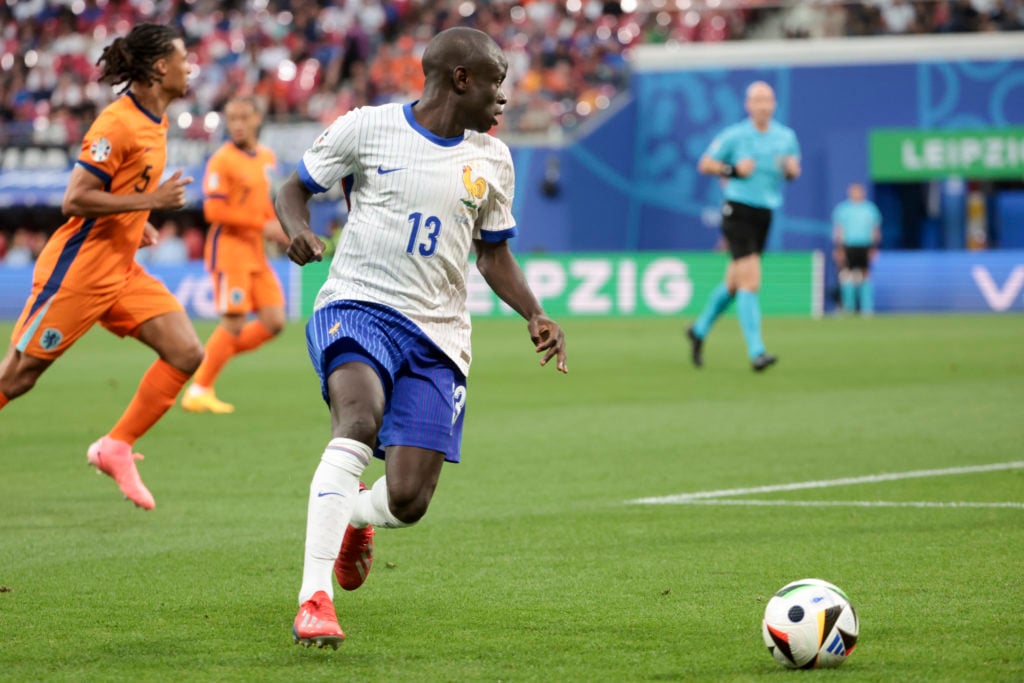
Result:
pixel 502 273
pixel 86 196
pixel 292 210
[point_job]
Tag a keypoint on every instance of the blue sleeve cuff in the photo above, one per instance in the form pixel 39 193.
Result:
pixel 498 235
pixel 307 180
pixel 96 171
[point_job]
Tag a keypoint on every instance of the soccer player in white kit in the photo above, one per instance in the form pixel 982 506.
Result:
pixel 390 332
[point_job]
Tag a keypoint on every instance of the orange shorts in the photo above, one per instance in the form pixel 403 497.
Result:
pixel 51 323
pixel 246 290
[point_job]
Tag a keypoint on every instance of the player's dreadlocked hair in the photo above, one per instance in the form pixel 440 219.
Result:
pixel 130 58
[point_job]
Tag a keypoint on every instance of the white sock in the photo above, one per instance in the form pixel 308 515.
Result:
pixel 195 389
pixel 332 497
pixel 372 508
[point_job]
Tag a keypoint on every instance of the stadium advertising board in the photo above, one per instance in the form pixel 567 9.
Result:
pixel 653 284
pixel 909 154
pixel 949 281
pixel 643 284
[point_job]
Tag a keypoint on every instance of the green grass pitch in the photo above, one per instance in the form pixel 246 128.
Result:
pixel 531 564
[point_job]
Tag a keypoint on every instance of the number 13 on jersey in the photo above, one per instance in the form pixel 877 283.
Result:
pixel 427 242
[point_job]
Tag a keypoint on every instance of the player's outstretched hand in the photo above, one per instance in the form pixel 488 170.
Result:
pixel 549 339
pixel 171 193
pixel 306 247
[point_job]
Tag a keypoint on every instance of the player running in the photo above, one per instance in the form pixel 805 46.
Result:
pixel 238 207
pixel 390 333
pixel 87 272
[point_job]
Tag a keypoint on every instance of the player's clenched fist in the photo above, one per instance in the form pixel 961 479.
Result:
pixel 306 247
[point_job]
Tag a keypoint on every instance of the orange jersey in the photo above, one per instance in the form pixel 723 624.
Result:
pixel 237 204
pixel 126 148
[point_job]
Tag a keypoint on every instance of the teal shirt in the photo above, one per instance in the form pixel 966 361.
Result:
pixel 763 188
pixel 858 221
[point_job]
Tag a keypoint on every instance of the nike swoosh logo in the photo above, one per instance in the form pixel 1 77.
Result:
pixel 321 494
pixel 384 171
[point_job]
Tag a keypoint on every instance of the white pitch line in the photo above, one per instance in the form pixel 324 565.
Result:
pixel 825 483
pixel 850 503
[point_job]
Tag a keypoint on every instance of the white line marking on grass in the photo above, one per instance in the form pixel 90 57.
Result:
pixel 849 503
pixel 684 498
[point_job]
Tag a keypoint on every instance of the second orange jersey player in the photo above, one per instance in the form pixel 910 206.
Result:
pixel 239 208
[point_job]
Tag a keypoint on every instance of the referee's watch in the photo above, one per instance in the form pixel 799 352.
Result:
pixel 728 171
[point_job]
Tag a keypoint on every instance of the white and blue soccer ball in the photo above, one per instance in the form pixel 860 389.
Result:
pixel 810 624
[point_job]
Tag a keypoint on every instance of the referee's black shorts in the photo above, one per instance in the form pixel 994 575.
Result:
pixel 857 258
pixel 745 228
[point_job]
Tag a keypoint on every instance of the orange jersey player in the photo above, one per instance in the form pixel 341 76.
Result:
pixel 239 209
pixel 87 272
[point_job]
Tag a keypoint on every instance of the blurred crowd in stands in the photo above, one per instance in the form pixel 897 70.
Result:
pixel 22 246
pixel 315 60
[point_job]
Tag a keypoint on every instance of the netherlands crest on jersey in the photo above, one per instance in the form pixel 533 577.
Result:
pixel 50 339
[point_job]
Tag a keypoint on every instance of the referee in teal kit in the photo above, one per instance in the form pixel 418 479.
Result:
pixel 858 230
pixel 754 157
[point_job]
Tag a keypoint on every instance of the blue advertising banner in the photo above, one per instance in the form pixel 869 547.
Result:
pixel 189 282
pixel 949 281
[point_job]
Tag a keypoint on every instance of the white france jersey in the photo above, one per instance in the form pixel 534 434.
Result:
pixel 417 203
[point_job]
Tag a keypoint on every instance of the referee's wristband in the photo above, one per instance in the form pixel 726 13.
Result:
pixel 728 171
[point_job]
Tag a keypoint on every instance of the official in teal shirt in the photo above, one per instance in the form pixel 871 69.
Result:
pixel 768 148
pixel 755 158
pixel 857 232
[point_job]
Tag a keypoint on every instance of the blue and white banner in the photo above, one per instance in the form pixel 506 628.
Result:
pixel 910 281
pixel 189 282
pixel 905 282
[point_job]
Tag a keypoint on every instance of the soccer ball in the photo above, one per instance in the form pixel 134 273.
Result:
pixel 810 624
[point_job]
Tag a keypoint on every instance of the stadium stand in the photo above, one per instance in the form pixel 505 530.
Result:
pixel 316 60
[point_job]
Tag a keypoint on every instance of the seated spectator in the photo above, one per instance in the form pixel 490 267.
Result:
pixel 899 17
pixel 195 242
pixel 19 253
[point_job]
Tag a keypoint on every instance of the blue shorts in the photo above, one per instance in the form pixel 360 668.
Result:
pixel 424 391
